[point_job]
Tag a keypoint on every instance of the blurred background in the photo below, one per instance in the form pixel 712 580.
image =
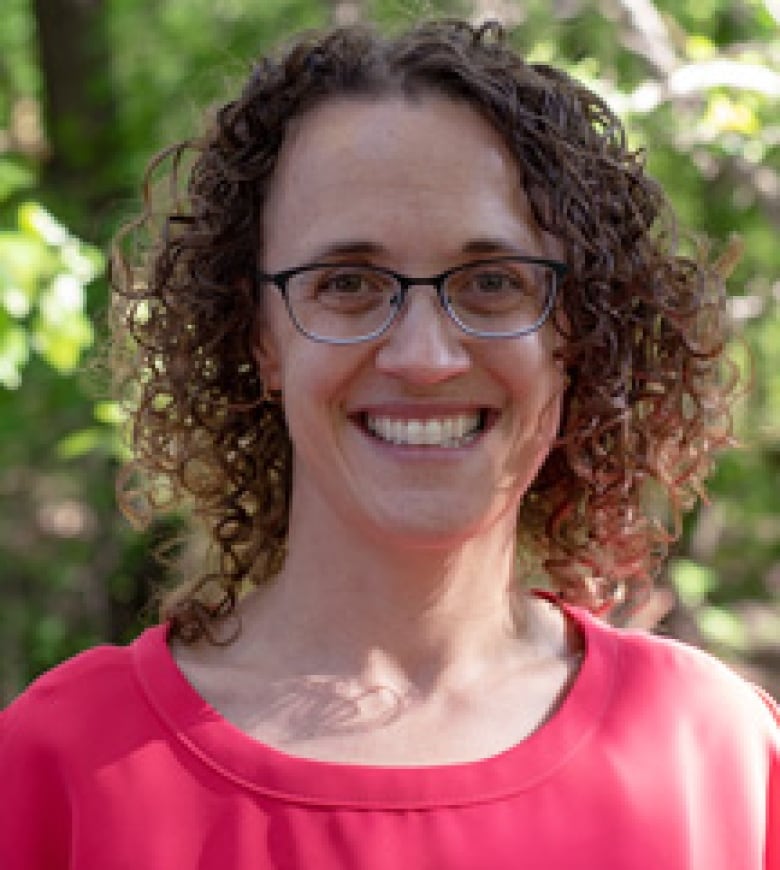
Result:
pixel 90 89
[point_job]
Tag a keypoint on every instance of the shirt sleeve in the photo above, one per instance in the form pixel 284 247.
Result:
pixel 34 807
pixel 773 800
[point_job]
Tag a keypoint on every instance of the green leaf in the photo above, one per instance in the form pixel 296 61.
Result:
pixel 721 626
pixel 38 223
pixel 110 413
pixel 24 262
pixel 61 343
pixel 80 443
pixel 15 301
pixel 13 177
pixel 14 352
pixel 699 47
pixel 693 582
pixel 91 440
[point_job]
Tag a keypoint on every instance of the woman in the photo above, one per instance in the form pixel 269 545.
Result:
pixel 415 326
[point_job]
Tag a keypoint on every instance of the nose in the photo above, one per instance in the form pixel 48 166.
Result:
pixel 423 345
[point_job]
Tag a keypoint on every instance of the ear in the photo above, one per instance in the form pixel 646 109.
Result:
pixel 265 352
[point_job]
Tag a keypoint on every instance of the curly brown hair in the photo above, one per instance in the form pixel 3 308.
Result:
pixel 648 401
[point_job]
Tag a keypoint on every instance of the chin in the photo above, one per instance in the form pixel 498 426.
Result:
pixel 427 529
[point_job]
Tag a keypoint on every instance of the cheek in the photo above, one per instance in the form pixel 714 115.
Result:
pixel 529 369
pixel 314 379
pixel 537 396
pixel 533 443
pixel 550 419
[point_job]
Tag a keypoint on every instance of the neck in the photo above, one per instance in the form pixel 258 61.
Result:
pixel 350 603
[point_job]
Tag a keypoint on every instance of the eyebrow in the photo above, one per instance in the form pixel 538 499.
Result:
pixel 348 248
pixel 498 246
pixel 482 246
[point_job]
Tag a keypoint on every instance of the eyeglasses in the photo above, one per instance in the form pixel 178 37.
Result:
pixel 346 303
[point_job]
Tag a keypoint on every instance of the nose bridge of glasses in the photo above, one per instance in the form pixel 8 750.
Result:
pixel 435 285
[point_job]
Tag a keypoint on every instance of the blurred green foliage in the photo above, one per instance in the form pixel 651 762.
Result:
pixel 698 84
pixel 44 273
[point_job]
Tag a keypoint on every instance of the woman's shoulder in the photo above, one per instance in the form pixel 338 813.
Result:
pixel 665 676
pixel 83 694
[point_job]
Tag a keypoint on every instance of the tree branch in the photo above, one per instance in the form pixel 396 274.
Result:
pixel 700 76
pixel 648 34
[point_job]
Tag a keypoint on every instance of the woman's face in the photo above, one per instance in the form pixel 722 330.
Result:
pixel 417 187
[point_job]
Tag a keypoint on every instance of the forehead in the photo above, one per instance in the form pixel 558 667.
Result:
pixel 431 170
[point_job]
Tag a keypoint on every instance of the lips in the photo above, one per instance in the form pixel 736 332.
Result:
pixel 441 430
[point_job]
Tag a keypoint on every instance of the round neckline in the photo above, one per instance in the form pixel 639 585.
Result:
pixel 260 768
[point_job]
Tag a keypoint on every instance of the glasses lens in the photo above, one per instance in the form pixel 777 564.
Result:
pixel 342 302
pixel 500 297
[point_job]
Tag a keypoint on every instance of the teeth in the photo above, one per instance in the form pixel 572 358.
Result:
pixel 445 432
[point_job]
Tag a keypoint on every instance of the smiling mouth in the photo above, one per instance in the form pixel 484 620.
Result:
pixel 451 431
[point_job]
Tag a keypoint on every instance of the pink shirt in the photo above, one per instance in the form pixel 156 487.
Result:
pixel 659 758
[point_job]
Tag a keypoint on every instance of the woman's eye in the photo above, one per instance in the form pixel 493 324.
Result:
pixel 345 282
pixel 349 290
pixel 495 282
